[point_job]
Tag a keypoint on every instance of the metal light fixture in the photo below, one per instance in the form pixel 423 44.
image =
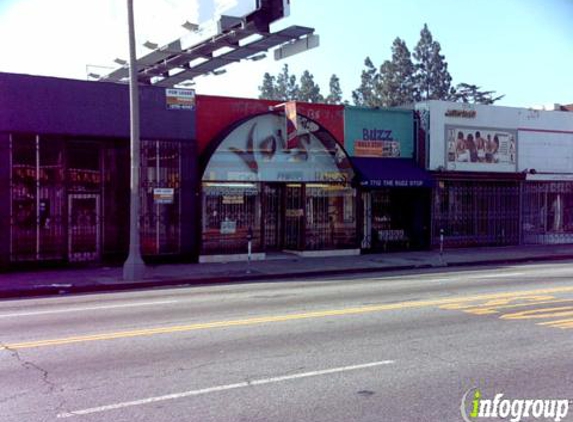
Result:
pixel 258 57
pixel 150 45
pixel 193 27
pixel 120 62
pixel 219 72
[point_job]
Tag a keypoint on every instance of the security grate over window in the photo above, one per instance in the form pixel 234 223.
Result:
pixel 160 197
pixel 477 213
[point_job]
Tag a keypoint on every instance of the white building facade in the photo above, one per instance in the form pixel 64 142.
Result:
pixel 504 175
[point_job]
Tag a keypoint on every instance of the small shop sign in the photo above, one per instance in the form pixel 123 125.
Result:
pixel 383 149
pixel 233 199
pixel 467 114
pixel 294 213
pixel 163 195
pixel 180 99
pixel 228 227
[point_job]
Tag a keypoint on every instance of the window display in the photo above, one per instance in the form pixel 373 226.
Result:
pixel 548 213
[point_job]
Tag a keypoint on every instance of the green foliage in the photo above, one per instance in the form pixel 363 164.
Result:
pixel 397 80
pixel 367 94
pixel 286 87
pixel 467 93
pixel 407 78
pixel 335 94
pixel 267 89
pixel 433 80
pixel 403 80
pixel 309 91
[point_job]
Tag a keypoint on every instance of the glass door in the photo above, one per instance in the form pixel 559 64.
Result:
pixel 83 227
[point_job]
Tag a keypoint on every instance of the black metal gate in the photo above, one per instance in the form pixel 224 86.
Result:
pixel 294 216
pixel 37 199
pixel 476 213
pixel 160 193
pixel 273 217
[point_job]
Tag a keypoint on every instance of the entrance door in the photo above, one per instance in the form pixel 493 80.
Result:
pixel 273 217
pixel 283 217
pixel 83 227
pixel 294 217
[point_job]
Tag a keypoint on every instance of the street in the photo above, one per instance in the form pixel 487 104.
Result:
pixel 378 347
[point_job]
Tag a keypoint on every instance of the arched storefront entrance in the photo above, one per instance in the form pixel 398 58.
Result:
pixel 296 198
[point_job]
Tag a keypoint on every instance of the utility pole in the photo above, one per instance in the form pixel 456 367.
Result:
pixel 134 267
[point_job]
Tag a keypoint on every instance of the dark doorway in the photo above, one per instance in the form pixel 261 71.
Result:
pixel 400 219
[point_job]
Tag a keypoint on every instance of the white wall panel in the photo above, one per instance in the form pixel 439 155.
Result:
pixel 546 152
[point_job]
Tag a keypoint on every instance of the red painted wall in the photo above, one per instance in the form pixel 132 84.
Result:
pixel 215 114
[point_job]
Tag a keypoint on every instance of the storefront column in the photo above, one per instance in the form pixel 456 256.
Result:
pixel 521 198
pixel 190 203
pixel 366 220
pixel 5 199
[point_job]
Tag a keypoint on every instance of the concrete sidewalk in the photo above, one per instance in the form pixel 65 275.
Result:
pixel 279 266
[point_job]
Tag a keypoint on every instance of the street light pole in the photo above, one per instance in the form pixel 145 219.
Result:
pixel 134 267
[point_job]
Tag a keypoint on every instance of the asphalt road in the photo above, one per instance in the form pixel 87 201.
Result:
pixel 380 347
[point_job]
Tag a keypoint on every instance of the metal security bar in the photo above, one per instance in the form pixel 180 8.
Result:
pixel 229 211
pixel 294 216
pixel 37 199
pixel 160 196
pixel 273 216
pixel 476 213
pixel 84 183
pixel 84 227
pixel 548 213
pixel 330 216
pixel 115 200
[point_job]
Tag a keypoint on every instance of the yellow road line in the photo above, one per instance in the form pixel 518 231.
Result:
pixel 276 318
pixel 562 323
pixel 490 309
pixel 541 313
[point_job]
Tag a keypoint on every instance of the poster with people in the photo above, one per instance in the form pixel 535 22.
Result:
pixel 475 149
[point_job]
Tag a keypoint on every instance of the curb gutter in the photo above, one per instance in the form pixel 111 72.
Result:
pixel 40 291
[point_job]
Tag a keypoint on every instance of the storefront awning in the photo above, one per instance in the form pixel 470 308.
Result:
pixel 391 173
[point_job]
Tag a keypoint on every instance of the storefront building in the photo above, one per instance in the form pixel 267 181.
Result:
pixel 545 156
pixel 395 190
pixel 503 175
pixel 312 179
pixel 64 181
pixel 292 193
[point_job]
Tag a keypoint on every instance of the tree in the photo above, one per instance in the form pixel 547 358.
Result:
pixel 367 94
pixel 309 91
pixel 467 93
pixel 335 94
pixel 433 81
pixel 267 90
pixel 286 87
pixel 397 83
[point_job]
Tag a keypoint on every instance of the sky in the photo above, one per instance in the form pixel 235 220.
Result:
pixel 520 48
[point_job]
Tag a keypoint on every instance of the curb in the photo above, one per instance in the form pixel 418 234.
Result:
pixel 242 278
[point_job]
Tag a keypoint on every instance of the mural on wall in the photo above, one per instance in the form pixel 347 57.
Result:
pixel 379 133
pixel 215 114
pixel 257 151
pixel 480 149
